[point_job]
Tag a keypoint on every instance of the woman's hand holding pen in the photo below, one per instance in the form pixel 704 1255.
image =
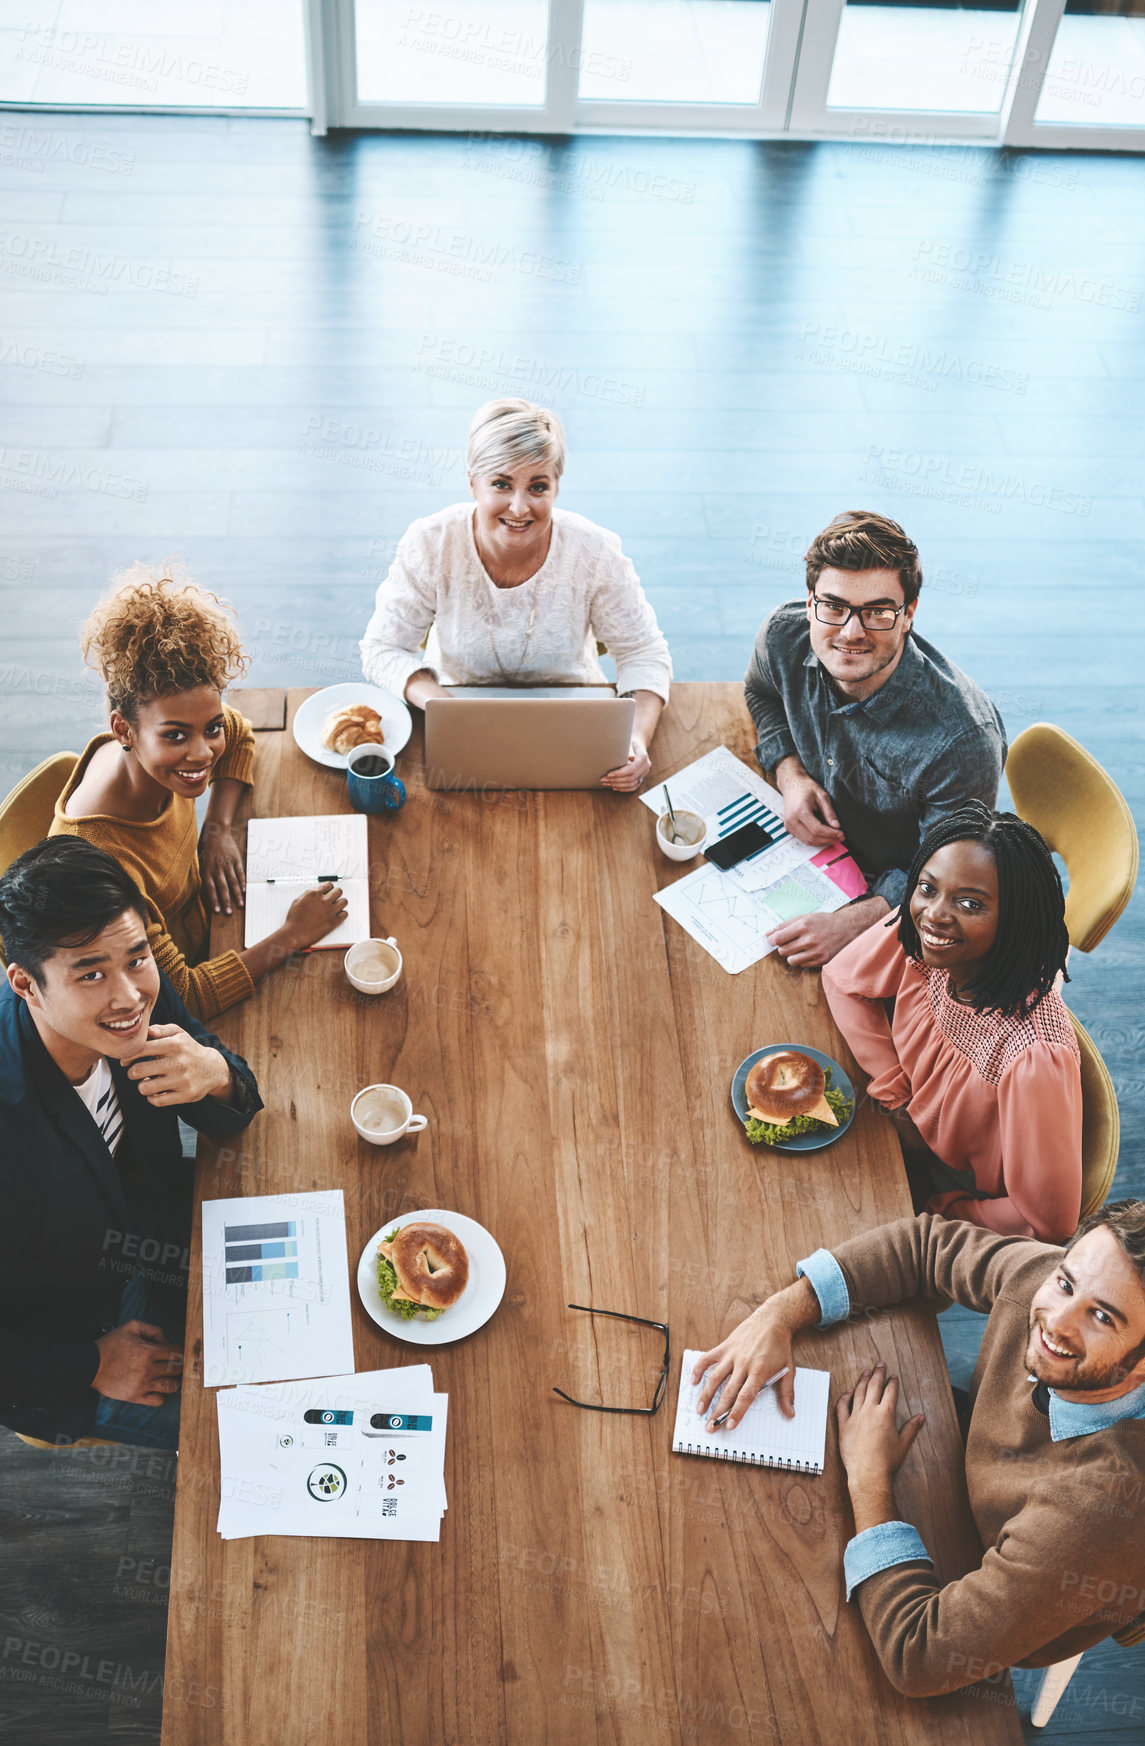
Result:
pixel 312 916
pixel 758 1353
pixel 309 919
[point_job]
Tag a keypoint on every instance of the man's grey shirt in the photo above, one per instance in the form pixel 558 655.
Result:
pixel 921 746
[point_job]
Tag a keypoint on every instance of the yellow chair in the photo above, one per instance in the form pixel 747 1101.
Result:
pixel 1066 795
pixel 26 814
pixel 1100 1124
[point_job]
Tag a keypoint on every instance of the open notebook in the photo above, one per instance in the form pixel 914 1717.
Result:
pixel 284 856
pixel 763 1437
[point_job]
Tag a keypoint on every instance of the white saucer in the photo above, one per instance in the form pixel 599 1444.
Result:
pixel 312 716
pixel 472 1309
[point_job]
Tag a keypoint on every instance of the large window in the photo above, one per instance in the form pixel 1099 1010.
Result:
pixel 1014 72
pixel 156 54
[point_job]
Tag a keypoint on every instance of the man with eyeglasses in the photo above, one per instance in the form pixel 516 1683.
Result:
pixel 867 730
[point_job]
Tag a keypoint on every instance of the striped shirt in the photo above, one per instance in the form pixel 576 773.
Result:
pixel 98 1094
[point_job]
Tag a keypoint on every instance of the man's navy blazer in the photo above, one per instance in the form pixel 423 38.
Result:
pixel 70 1233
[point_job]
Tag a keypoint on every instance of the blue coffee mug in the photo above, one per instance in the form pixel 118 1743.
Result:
pixel 371 781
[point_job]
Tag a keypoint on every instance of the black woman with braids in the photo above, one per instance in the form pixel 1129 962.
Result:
pixel 975 1059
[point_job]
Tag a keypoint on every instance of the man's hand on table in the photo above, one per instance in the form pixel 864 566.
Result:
pixel 172 1068
pixel 136 1364
pixel 811 940
pixel 752 1355
pixel 872 1446
pixel 807 809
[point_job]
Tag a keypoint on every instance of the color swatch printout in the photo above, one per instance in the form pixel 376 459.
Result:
pixel 276 1288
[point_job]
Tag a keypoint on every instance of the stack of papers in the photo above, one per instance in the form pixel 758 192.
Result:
pixel 731 913
pixel 345 1457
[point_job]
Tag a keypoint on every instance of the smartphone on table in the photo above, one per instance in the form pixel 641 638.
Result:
pixel 729 851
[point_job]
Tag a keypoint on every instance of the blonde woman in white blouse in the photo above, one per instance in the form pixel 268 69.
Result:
pixel 513 591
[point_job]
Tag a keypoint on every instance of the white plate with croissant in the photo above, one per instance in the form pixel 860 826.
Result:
pixel 347 716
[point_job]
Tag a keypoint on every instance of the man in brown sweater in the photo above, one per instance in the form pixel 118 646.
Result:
pixel 1055 1457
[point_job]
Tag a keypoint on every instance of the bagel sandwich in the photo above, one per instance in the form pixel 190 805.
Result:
pixel 788 1094
pixel 422 1270
pixel 359 724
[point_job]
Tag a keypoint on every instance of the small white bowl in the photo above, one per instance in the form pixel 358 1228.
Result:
pixel 687 823
pixel 360 954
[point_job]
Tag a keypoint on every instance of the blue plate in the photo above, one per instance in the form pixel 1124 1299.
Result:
pixel 839 1082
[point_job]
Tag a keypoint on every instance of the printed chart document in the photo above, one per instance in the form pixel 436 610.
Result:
pixel 763 1437
pixel 345 1457
pixel 286 856
pixel 731 913
pixel 276 1288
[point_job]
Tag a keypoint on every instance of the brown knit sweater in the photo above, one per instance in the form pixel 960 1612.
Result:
pixel 1062 1524
pixel 161 855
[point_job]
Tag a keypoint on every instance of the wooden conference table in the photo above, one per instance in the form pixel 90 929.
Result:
pixel 573 1049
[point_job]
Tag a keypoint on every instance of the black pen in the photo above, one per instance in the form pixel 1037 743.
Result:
pixel 319 879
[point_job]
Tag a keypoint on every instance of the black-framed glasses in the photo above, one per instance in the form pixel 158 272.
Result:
pixel 875 618
pixel 662 1384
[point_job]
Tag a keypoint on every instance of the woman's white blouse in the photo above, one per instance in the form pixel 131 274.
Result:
pixel 541 632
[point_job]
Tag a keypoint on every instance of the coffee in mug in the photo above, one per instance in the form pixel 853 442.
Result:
pixel 381 1114
pixel 381 1110
pixel 373 966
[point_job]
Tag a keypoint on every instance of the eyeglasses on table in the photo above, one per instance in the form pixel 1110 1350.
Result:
pixel 662 1384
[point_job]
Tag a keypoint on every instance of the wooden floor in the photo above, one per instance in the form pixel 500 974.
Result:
pixel 226 340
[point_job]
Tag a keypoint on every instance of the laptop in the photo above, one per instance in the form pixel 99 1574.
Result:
pixel 541 736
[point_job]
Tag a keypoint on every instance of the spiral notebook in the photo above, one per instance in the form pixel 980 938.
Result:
pixel 763 1437
pixel 287 856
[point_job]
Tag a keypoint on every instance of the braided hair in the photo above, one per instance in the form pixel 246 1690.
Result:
pixel 1031 944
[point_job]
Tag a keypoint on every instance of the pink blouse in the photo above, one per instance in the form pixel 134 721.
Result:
pixel 998 1096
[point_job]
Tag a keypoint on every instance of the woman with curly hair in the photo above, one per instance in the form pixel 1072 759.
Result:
pixel 166 650
pixel 977 1063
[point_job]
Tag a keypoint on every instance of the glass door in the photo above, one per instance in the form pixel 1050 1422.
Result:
pixel 1083 82
pixel 1014 72
pixel 721 65
pixel 544 66
pixel 504 65
pixel 907 69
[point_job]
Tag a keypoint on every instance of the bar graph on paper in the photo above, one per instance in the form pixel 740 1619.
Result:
pixel 276 1292
pixel 256 1252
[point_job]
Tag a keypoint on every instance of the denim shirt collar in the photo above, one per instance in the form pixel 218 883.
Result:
pixel 888 697
pixel 1071 1418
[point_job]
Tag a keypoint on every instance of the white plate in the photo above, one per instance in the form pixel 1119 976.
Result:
pixel 472 1309
pixel 312 716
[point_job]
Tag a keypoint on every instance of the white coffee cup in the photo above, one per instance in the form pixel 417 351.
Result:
pixel 383 1113
pixel 691 834
pixel 372 966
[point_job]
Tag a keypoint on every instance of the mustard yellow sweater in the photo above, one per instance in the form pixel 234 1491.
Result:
pixel 161 855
